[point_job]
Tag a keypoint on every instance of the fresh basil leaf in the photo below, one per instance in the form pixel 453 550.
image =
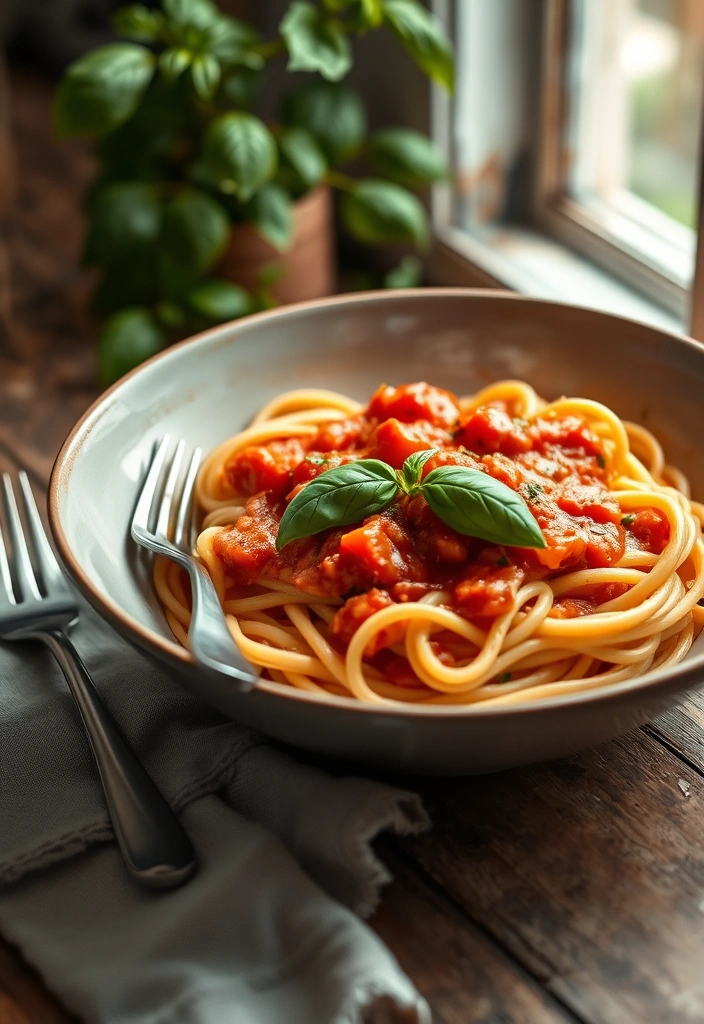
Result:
pixel 270 210
pixel 219 300
pixel 230 40
pixel 102 89
pixel 475 504
pixel 338 497
pixel 332 112
pixel 170 315
pixel 407 274
pixel 270 274
pixel 196 13
pixel 127 339
pixel 372 13
pixel 205 75
pixel 195 232
pixel 242 85
pixel 378 212
pixel 315 42
pixel 423 36
pixel 412 469
pixel 138 22
pixel 406 157
pixel 123 216
pixel 174 61
pixel 302 155
pixel 241 152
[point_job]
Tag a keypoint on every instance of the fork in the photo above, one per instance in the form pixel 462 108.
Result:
pixel 40 606
pixel 209 639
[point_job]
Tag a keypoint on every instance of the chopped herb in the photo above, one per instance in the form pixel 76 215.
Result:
pixel 505 677
pixel 503 562
pixel 627 520
pixel 533 491
pixel 601 461
pixel 315 460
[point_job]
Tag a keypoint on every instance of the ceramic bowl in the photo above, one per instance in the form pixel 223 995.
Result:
pixel 207 388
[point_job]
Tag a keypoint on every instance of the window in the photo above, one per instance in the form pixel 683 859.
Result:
pixel 574 139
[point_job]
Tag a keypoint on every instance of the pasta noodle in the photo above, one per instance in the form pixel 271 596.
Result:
pixel 581 623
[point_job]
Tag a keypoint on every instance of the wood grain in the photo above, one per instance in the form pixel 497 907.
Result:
pixel 466 978
pixel 589 870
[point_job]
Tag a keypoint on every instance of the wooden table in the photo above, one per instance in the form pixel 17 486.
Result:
pixel 572 891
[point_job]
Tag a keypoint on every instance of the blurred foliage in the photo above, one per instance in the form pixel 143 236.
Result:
pixel 183 154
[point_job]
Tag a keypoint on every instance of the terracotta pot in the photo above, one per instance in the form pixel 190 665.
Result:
pixel 308 264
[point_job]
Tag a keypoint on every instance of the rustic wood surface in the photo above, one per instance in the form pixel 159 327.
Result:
pixel 572 891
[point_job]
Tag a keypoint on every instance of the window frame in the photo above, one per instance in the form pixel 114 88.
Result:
pixel 580 230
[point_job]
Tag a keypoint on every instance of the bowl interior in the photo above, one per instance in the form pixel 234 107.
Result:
pixel 207 389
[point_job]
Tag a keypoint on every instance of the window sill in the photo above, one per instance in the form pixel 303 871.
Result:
pixel 535 265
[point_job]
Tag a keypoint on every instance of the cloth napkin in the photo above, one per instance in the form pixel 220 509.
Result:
pixel 268 931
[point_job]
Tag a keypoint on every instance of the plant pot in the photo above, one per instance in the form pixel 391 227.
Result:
pixel 308 269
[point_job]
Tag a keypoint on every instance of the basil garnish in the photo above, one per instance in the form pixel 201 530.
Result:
pixel 412 469
pixel 338 497
pixel 477 505
pixel 469 501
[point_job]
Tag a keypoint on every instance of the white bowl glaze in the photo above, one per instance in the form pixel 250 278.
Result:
pixel 207 388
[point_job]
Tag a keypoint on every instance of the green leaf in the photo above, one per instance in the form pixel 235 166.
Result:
pixel 102 89
pixel 123 216
pixel 219 300
pixel 412 469
pixel 170 315
pixel 242 85
pixel 241 152
pixel 270 209
pixel 195 232
pixel 339 497
pixel 378 212
pixel 138 22
pixel 174 61
pixel 333 113
pixel 406 157
pixel 270 274
pixel 366 13
pixel 302 155
pixel 475 504
pixel 315 42
pixel 372 13
pixel 408 274
pixel 205 74
pixel 231 41
pixel 127 339
pixel 422 35
pixel 197 13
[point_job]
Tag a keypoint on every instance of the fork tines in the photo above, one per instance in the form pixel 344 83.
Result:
pixel 161 493
pixel 23 572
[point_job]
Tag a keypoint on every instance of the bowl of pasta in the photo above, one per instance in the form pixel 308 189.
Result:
pixel 455 531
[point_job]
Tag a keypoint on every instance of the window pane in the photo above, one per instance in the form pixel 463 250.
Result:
pixel 636 72
pixel 496 90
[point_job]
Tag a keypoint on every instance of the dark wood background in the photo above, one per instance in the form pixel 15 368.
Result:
pixel 572 891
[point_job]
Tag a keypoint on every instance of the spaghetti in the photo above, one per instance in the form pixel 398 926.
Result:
pixel 403 608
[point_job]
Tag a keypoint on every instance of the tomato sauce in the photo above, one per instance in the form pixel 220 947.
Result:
pixel 556 464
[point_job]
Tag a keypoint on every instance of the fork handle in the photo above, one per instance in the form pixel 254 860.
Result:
pixel 157 851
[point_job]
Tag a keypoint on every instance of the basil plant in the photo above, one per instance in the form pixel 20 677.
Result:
pixel 183 155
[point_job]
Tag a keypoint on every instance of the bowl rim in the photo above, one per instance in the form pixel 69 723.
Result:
pixel 172 652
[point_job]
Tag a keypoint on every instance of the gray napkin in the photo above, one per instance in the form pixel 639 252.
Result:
pixel 268 930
